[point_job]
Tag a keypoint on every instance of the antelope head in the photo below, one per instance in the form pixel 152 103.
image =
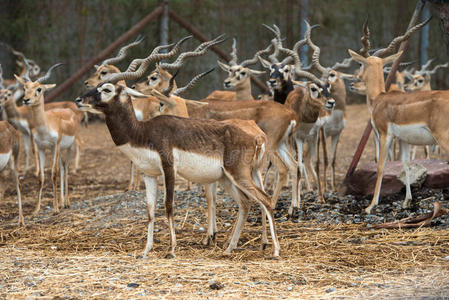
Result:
pixel 318 94
pixel 239 73
pixel 35 90
pixel 420 81
pixel 159 78
pixel 5 96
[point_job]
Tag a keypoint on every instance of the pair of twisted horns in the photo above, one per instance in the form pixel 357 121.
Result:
pixel 123 52
pixel 247 62
pixel 167 91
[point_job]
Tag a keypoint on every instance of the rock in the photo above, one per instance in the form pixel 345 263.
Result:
pixel 363 180
pixel 216 285
pixel 330 290
pixel 417 175
pixel 132 285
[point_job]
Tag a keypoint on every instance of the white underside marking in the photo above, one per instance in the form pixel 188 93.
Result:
pixel 47 139
pixel 147 160
pixel 21 125
pixel 415 134
pixel 195 167
pixel 139 114
pixel 4 158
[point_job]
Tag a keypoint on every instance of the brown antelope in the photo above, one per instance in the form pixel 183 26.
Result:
pixel 203 151
pixel 175 105
pixel 142 106
pixel 54 129
pixel 239 76
pixel 420 81
pixel 9 154
pixel 417 118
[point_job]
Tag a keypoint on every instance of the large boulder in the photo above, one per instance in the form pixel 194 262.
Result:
pixel 363 181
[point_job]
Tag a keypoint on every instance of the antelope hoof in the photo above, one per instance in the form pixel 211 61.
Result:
pixel 274 257
pixel 208 240
pixel 368 210
pixel 406 204
pixel 35 213
pixel 169 255
pixel 263 246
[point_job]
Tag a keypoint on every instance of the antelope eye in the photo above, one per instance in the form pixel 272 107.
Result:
pixel 103 72
pixel 420 81
pixel 107 90
pixel 153 78
pixel 243 73
pixel 39 90
pixel 332 75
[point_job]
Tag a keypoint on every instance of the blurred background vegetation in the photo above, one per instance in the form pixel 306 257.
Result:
pixel 73 31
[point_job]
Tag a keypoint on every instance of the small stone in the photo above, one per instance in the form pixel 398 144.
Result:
pixel 132 285
pixel 227 224
pixel 447 257
pixel 244 267
pixel 216 285
pixel 201 229
pixel 330 290
pixel 290 288
pixel 53 247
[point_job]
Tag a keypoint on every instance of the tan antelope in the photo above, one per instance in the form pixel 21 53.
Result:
pixel 202 151
pixel 417 118
pixel 239 76
pixel 9 155
pixel 160 77
pixel 54 129
pixel 420 80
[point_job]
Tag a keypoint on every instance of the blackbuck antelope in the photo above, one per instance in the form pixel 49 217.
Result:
pixel 239 76
pixel 172 104
pixel 417 118
pixel 142 106
pixel 420 80
pixel 160 77
pixel 9 155
pixel 202 151
pixel 54 129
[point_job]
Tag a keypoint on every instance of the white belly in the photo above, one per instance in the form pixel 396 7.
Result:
pixel 197 167
pixel 334 123
pixel 21 125
pixel 47 139
pixel 416 134
pixel 147 160
pixel 4 158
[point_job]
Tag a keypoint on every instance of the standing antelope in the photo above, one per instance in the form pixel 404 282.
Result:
pixel 54 129
pixel 418 118
pixel 9 154
pixel 239 76
pixel 202 151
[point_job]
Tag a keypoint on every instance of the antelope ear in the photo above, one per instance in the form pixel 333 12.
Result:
pixel 197 104
pixel 264 62
pixel 357 57
pixel 223 66
pixel 391 58
pixel 49 86
pixel 134 93
pixel 96 67
pixel 347 76
pixel 19 79
pixel 300 83
pixel 256 72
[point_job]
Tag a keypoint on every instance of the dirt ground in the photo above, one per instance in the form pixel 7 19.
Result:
pixel 91 249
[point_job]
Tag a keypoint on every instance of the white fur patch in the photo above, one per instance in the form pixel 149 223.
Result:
pixel 4 159
pixel 46 139
pixel 415 134
pixel 197 167
pixel 139 114
pixel 335 123
pixel 147 160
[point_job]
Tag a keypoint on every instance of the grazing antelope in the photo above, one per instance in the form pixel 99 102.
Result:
pixel 203 151
pixel 239 76
pixel 9 154
pixel 54 129
pixel 417 118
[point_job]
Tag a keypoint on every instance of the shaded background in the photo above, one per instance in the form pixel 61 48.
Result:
pixel 73 31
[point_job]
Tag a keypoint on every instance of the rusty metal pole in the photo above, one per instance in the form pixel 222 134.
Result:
pixel 364 139
pixel 103 54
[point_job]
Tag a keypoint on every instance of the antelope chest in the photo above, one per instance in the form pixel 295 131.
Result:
pixel 415 134
pixel 46 139
pixel 306 130
pixel 147 160
pixel 139 114
pixel 197 167
pixel 4 159
pixel 334 123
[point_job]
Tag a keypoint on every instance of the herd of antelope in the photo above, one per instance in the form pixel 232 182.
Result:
pixel 227 137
